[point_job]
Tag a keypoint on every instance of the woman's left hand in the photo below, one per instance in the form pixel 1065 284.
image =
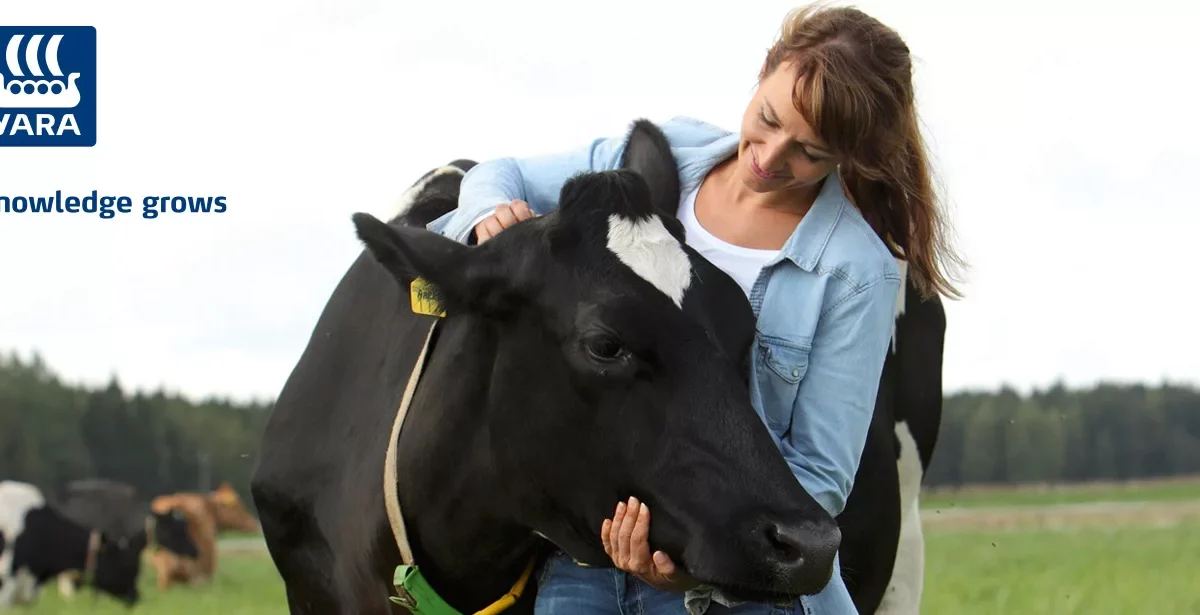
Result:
pixel 626 540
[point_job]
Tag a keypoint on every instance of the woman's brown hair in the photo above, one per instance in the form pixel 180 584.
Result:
pixel 854 87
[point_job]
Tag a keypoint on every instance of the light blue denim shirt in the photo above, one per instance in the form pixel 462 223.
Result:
pixel 825 307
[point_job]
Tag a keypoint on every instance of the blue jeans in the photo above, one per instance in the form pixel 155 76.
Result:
pixel 566 588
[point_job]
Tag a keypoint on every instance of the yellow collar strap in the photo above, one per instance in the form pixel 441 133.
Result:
pixel 415 594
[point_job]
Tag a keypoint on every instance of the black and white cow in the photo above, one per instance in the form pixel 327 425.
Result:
pixel 40 543
pixel 585 356
pixel 114 508
pixel 883 550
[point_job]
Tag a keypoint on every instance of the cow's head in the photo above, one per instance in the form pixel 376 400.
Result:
pixel 118 563
pixel 616 367
pixel 171 533
pixel 231 514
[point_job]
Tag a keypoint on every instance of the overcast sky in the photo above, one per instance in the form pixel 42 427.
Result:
pixel 1065 134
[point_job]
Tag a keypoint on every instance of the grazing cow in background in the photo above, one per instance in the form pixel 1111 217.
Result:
pixel 41 543
pixel 202 528
pixel 207 516
pixel 114 508
pixel 584 356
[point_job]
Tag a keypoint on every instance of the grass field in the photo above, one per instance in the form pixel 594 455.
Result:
pixel 1098 571
pixel 1094 550
pixel 1164 490
pixel 246 584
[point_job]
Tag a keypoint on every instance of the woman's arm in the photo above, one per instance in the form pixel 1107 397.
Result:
pixel 536 180
pixel 833 410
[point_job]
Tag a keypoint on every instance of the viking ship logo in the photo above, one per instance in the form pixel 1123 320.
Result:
pixel 37 91
pixel 48 86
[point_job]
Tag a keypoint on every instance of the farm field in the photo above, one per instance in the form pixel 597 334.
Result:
pixel 1095 550
pixel 1095 570
pixel 246 584
pixel 1161 490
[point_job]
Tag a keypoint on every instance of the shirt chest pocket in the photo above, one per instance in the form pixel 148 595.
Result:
pixel 779 366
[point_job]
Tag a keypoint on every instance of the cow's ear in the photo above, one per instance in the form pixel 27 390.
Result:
pixel 456 273
pixel 411 252
pixel 648 153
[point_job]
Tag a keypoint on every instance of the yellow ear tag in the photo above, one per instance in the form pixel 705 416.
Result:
pixel 424 300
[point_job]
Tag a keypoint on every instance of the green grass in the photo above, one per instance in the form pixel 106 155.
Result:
pixel 1132 492
pixel 1130 570
pixel 1103 571
pixel 245 584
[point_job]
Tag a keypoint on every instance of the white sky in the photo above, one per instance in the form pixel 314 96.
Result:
pixel 1064 133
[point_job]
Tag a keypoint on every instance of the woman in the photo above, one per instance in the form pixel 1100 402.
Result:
pixel 804 208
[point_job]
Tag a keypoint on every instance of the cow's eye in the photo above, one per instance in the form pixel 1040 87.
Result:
pixel 605 348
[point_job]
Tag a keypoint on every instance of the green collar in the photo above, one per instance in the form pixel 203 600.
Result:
pixel 416 595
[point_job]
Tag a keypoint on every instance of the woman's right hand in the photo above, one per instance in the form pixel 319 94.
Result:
pixel 507 214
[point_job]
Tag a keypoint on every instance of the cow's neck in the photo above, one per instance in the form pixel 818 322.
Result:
pixel 471 558
pixel 456 505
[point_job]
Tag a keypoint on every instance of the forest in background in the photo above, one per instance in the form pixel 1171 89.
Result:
pixel 52 432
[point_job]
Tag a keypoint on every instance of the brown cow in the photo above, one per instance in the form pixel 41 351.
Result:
pixel 231 513
pixel 207 515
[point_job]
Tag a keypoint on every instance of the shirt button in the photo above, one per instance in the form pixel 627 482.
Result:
pixel 796 372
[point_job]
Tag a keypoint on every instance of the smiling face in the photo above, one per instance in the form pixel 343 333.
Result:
pixel 779 150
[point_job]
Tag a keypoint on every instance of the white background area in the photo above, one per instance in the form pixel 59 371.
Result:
pixel 1065 135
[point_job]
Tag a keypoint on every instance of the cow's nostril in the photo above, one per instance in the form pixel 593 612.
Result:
pixel 787 546
pixel 803 545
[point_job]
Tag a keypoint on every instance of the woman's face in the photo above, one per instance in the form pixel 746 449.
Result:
pixel 779 150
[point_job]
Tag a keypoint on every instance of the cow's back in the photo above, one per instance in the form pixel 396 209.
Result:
pixel 109 506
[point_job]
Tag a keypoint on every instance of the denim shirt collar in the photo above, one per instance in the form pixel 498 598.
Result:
pixel 807 242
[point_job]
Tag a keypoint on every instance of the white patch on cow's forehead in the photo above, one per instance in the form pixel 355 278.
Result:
pixel 409 197
pixel 903 265
pixel 646 247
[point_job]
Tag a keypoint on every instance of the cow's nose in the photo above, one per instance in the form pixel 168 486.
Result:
pixel 806 548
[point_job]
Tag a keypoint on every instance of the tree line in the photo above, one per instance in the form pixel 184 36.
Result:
pixel 1059 435
pixel 52 432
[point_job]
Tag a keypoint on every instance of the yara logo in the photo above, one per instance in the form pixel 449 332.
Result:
pixel 48 86
pixel 54 93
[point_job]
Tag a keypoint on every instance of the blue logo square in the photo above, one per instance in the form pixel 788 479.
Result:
pixel 48 86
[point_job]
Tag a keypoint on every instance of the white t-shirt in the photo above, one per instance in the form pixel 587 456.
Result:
pixel 742 264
